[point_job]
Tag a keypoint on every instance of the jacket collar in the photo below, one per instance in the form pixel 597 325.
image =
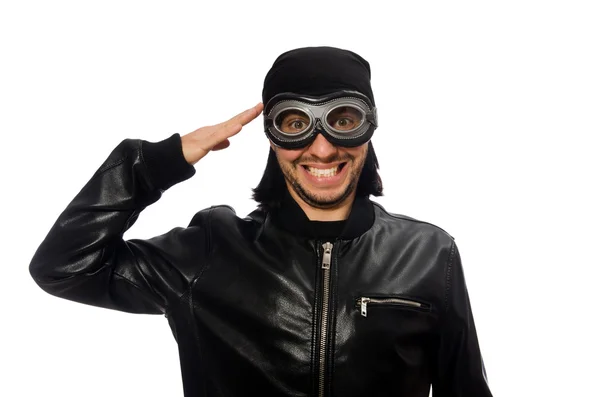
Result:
pixel 290 217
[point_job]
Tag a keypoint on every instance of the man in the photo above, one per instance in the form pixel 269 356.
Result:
pixel 319 292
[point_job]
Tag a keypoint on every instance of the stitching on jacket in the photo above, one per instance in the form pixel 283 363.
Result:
pixel 164 303
pixel 207 254
pixel 146 173
pixel 449 263
pixel 147 295
pixel 192 285
pixel 115 163
pixel 204 266
pixel 112 165
pixel 407 218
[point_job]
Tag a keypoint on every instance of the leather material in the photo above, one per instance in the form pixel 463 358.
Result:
pixel 245 297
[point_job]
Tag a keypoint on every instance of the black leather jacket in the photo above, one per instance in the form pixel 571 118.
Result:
pixel 257 305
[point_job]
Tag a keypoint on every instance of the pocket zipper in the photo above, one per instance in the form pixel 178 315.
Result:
pixel 363 301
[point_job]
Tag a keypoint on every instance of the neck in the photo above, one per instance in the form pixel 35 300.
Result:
pixel 338 213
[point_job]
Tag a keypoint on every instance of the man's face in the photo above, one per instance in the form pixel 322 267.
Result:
pixel 321 174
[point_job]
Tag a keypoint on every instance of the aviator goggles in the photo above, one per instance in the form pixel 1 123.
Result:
pixel 345 118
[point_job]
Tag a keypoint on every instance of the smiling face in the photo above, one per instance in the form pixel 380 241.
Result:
pixel 322 175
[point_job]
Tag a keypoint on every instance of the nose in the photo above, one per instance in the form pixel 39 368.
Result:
pixel 322 148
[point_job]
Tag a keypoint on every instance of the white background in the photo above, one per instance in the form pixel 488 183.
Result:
pixel 489 114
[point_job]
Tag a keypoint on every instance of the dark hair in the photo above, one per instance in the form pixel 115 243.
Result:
pixel 271 189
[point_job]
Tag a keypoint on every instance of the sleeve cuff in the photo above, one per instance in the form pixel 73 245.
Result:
pixel 165 162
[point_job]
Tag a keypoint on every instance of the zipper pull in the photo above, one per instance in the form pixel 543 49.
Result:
pixel 327 247
pixel 363 306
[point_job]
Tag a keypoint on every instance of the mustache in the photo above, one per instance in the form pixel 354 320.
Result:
pixel 335 158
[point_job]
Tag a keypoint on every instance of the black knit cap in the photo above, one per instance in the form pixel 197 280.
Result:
pixel 318 71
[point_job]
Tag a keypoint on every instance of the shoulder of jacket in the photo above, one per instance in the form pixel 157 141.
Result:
pixel 222 212
pixel 412 222
pixel 225 213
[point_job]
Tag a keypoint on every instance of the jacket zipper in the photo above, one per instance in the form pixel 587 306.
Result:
pixel 326 266
pixel 364 301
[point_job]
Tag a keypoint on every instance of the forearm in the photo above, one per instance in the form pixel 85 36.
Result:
pixel 87 237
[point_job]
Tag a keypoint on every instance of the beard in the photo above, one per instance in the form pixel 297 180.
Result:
pixel 324 201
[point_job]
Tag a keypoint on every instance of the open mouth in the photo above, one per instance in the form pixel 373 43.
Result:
pixel 324 172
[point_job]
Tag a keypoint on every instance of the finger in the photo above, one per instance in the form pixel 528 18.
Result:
pixel 217 133
pixel 234 125
pixel 246 116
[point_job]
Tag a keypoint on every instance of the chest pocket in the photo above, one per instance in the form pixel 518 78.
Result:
pixel 374 302
pixel 394 325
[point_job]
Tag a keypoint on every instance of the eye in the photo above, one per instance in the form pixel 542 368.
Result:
pixel 298 125
pixel 344 118
pixel 344 122
pixel 292 121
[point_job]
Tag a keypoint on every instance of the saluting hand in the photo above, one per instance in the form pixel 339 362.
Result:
pixel 198 143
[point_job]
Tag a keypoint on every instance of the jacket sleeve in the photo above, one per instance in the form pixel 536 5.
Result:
pixel 460 370
pixel 84 257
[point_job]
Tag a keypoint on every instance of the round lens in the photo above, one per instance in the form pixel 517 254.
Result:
pixel 292 121
pixel 345 118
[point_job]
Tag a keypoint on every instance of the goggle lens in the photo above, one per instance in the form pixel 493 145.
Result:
pixel 345 119
pixel 293 121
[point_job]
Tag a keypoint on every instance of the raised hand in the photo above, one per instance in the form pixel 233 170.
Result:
pixel 198 143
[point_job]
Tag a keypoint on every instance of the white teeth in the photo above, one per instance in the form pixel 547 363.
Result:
pixel 320 173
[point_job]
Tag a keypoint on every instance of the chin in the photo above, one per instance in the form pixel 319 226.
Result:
pixel 324 199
